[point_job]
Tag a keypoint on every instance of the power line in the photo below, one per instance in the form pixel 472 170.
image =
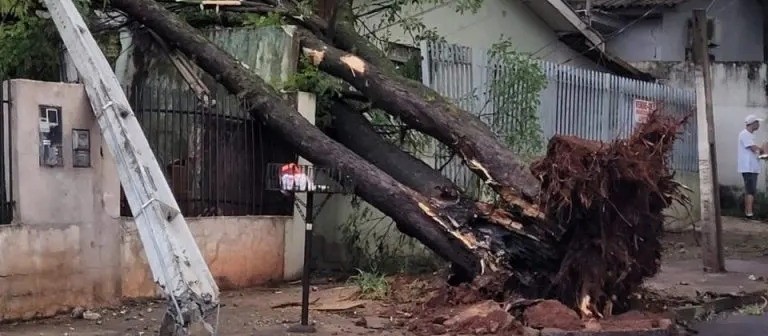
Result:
pixel 710 5
pixel 614 34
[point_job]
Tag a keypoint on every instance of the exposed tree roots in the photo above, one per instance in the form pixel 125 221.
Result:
pixel 581 226
pixel 611 197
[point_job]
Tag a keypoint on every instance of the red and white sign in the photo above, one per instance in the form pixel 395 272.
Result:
pixel 642 109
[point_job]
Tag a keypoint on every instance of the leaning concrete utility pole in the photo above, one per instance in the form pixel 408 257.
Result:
pixel 175 260
pixel 711 228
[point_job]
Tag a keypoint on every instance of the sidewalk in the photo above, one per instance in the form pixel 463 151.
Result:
pixel 686 279
pixel 691 294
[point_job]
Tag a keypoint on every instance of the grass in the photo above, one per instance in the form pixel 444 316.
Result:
pixel 754 309
pixel 373 285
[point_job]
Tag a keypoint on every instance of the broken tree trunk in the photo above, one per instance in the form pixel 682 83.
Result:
pixel 420 107
pixel 525 245
pixel 416 215
pixel 427 111
pixel 593 265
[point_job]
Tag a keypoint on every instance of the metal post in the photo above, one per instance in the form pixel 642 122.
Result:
pixel 304 326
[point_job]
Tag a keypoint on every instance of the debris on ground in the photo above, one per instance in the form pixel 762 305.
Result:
pixel 330 299
pixel 91 316
pixel 552 314
pixel 462 310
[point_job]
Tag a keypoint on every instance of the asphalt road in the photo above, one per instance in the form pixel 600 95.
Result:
pixel 734 325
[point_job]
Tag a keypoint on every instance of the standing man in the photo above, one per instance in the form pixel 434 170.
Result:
pixel 748 162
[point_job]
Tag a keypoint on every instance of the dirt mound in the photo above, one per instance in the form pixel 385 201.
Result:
pixel 482 318
pixel 519 317
pixel 454 295
pixel 552 314
pixel 611 197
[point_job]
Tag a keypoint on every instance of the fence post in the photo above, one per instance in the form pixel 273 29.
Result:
pixel 426 63
pixel 483 97
pixel 605 107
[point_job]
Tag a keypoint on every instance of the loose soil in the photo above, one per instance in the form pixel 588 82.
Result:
pixel 742 239
pixel 413 302
pixel 417 306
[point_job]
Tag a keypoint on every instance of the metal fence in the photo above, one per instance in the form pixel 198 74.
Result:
pixel 580 102
pixel 215 158
pixel 6 170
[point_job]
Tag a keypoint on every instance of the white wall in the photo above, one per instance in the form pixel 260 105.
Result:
pixel 664 39
pixel 739 89
pixel 508 18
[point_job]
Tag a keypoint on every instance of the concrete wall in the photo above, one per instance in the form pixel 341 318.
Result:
pixel 60 250
pixel 665 38
pixel 67 245
pixel 739 89
pixel 496 19
pixel 240 251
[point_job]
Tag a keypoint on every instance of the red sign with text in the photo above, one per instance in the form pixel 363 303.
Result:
pixel 642 109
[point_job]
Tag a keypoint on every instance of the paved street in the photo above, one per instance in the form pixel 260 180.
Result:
pixel 735 325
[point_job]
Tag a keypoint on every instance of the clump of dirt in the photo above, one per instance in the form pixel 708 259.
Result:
pixel 462 294
pixel 405 289
pixel 482 318
pixel 552 314
pixel 467 309
pixel 610 196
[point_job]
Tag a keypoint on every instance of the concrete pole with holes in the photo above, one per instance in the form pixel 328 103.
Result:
pixel 711 227
pixel 175 260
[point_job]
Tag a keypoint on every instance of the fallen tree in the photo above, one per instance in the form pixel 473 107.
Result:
pixel 612 197
pixel 416 215
pixel 535 243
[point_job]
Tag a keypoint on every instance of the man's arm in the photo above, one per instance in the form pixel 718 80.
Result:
pixel 749 142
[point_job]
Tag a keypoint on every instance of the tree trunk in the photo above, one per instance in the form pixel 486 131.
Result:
pixel 417 105
pixel 429 112
pixel 415 214
pixel 527 247
pixel 610 197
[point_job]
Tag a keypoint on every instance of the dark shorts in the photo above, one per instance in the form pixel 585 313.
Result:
pixel 750 183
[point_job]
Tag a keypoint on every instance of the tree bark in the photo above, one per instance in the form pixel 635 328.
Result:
pixel 414 213
pixel 528 249
pixel 427 111
pixel 352 130
pixel 417 105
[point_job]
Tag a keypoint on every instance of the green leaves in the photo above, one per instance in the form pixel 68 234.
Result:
pixel 16 8
pixel 29 43
pixel 29 49
pixel 269 20
pixel 517 81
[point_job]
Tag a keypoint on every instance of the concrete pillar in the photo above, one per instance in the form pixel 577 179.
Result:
pixel 294 232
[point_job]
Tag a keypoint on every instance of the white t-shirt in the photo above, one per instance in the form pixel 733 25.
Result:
pixel 747 159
